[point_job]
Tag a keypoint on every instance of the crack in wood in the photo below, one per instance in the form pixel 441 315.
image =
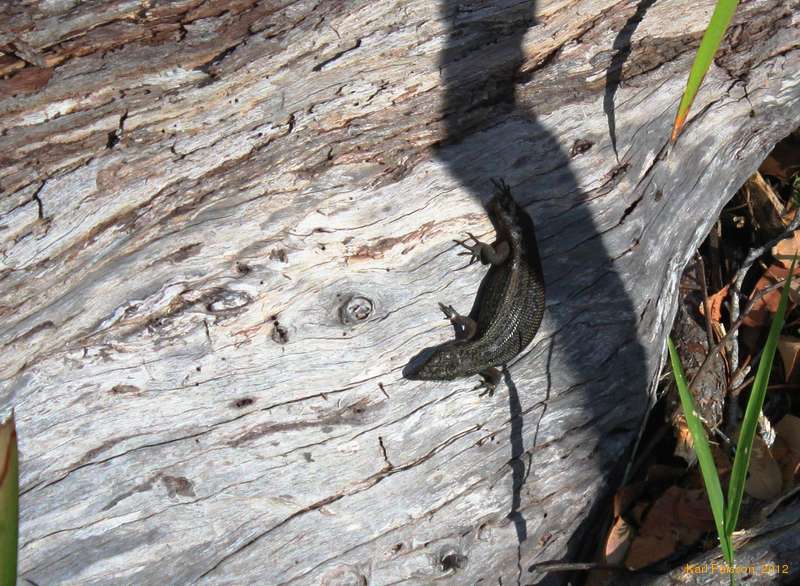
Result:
pixel 364 485
pixel 322 64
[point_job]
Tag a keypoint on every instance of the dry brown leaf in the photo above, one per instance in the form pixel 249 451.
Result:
pixel 618 542
pixel 780 450
pixel 764 308
pixel 789 461
pixel 638 512
pixel 649 549
pixel 694 515
pixel 767 305
pixel 788 429
pixel 715 302
pixel 764 479
pixel 786 249
pixel 677 516
pixel 789 349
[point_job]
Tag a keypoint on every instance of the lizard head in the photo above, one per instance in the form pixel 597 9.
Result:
pixel 503 210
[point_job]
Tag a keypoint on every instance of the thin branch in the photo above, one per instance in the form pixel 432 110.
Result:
pixel 578 566
pixel 739 279
pixel 732 331
pixel 713 252
pixel 700 269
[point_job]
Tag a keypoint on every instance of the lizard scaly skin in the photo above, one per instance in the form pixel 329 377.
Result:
pixel 508 308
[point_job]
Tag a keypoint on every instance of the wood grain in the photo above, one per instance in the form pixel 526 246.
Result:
pixel 226 225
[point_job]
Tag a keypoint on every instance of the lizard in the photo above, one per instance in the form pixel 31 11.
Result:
pixel 508 308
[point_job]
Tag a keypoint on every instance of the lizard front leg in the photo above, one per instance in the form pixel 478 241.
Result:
pixel 465 327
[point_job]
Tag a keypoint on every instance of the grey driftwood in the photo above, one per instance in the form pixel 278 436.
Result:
pixel 225 229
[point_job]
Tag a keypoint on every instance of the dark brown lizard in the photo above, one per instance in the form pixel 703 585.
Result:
pixel 508 308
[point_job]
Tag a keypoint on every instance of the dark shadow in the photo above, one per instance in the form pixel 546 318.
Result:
pixel 490 134
pixel 621 48
pixel 518 475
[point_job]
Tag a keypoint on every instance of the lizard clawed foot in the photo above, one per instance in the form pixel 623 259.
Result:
pixel 448 311
pixel 490 378
pixel 465 327
pixel 493 254
pixel 473 250
pixel 501 186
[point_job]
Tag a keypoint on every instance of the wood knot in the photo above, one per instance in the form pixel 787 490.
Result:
pixel 451 560
pixel 280 335
pixel 356 308
pixel 580 146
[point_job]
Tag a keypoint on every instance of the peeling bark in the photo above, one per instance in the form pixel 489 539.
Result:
pixel 225 228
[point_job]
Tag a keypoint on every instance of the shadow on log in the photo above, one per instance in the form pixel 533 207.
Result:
pixel 480 108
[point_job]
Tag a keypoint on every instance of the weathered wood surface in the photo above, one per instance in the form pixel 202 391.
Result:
pixel 225 227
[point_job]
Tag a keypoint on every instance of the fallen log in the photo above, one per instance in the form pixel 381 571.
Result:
pixel 225 230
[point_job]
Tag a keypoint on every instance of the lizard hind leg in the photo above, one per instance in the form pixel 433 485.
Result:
pixel 490 378
pixel 465 327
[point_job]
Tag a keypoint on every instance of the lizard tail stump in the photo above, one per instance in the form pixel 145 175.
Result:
pixel 508 308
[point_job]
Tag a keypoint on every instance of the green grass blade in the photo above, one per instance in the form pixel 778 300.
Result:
pixel 750 422
pixel 707 466
pixel 723 12
pixel 9 502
